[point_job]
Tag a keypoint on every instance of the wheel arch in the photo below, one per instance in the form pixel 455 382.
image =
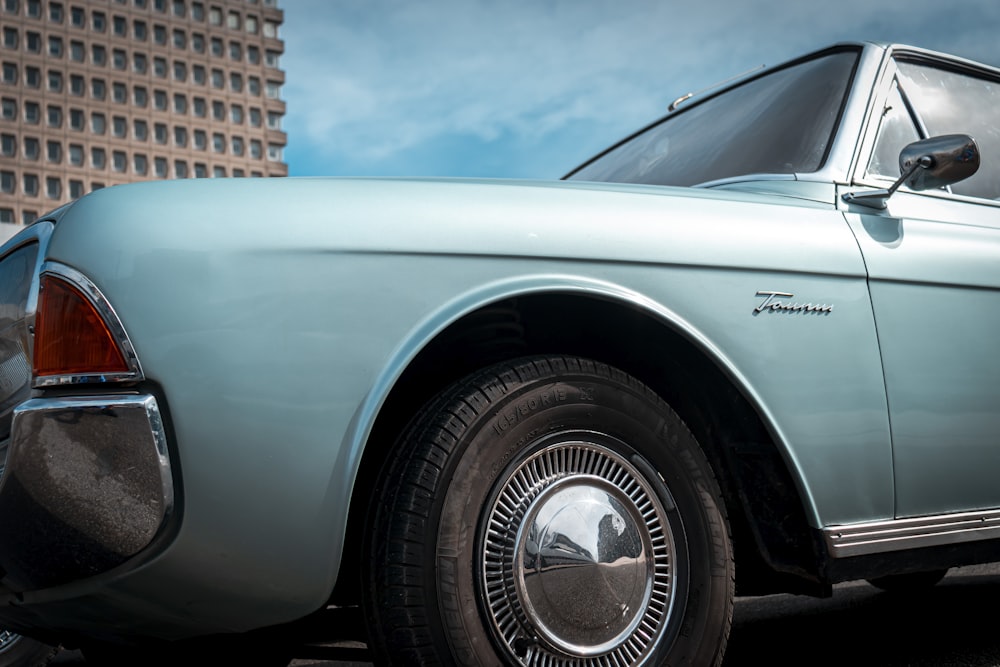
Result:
pixel 770 509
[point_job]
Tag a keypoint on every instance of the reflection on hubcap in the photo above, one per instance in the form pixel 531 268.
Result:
pixel 578 558
pixel 8 639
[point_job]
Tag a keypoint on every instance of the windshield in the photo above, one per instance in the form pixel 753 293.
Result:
pixel 779 123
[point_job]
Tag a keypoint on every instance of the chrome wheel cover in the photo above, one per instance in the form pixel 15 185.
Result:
pixel 579 562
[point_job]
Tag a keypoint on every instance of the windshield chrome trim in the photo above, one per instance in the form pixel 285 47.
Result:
pixel 898 534
pixel 114 324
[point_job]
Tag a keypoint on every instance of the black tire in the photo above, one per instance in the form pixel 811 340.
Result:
pixel 912 582
pixel 20 651
pixel 554 511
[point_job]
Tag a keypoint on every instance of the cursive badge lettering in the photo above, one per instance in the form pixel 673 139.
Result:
pixel 773 303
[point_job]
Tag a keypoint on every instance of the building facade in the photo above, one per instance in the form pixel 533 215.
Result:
pixel 96 93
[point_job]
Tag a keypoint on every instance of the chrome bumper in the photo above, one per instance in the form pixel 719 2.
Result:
pixel 86 485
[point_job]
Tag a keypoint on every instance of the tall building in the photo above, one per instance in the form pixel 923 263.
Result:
pixel 101 92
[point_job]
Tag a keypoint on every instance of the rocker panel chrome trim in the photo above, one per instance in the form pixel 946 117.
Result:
pixel 898 534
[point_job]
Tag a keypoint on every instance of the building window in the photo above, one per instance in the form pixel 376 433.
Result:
pixel 10 73
pixel 139 30
pixel 8 108
pixel 119 26
pixel 198 107
pixel 7 182
pixel 53 187
pixel 119 59
pixel 8 145
pixel 160 167
pixel 215 16
pixel 55 47
pixel 98 158
pixel 76 120
pixel 139 164
pixel 273 90
pixel 197 11
pixel 28 216
pixel 34 9
pixel 255 117
pixel 10 37
pixel 75 189
pixel 32 113
pixel 160 5
pixel 200 141
pixel 236 82
pixel 198 74
pixel 218 172
pixel 273 120
pixel 218 110
pixel 236 114
pixel 180 71
pixel 98 55
pixel 55 81
pixel 99 21
pixel 253 55
pixel 7 215
pixel 180 39
pixel 180 169
pixel 55 12
pixel 160 100
pixel 30 184
pixel 219 142
pixel 140 96
pixel 159 34
pixel 197 42
pixel 180 103
pixel 119 126
pixel 140 130
pixel 32 77
pixel 139 63
pixel 253 85
pixel 77 17
pixel 11 6
pixel 252 25
pixel 233 21
pixel 160 133
pixel 270 29
pixel 179 8
pixel 53 152
pixel 119 93
pixel 76 155
pixel 77 85
pixel 238 146
pixel 54 116
pixel 160 67
pixel 238 173
pixel 272 58
pixel 218 78
pixel 98 89
pixel 180 136
pixel 32 148
pixel 217 47
pixel 274 152
pixel 96 185
pixel 33 42
pixel 200 170
pixel 98 123
pixel 235 51
pixel 119 161
pixel 256 149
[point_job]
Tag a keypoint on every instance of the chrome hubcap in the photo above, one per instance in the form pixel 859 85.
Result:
pixel 579 565
pixel 8 639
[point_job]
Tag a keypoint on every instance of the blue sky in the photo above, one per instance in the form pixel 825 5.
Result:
pixel 531 88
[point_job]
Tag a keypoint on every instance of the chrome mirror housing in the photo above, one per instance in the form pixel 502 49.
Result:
pixel 926 165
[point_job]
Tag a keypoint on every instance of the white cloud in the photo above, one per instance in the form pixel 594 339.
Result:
pixel 369 80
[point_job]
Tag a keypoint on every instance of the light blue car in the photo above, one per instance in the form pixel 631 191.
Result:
pixel 527 423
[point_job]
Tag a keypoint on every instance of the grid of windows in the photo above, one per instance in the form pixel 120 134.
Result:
pixel 132 90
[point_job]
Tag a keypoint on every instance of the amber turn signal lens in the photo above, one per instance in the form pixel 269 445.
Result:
pixel 71 338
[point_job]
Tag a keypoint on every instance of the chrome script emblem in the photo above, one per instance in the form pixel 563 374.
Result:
pixel 773 303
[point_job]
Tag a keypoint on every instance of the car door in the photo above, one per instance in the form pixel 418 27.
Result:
pixel 934 275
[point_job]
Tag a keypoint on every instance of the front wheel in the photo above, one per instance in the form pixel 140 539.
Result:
pixel 549 511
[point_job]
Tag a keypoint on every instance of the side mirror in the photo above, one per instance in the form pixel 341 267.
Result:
pixel 925 165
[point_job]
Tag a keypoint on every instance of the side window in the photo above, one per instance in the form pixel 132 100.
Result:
pixel 950 102
pixel 894 133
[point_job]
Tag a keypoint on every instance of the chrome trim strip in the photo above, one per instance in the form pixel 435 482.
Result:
pixel 114 324
pixel 897 534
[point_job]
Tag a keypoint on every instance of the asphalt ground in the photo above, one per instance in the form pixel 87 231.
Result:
pixel 950 625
